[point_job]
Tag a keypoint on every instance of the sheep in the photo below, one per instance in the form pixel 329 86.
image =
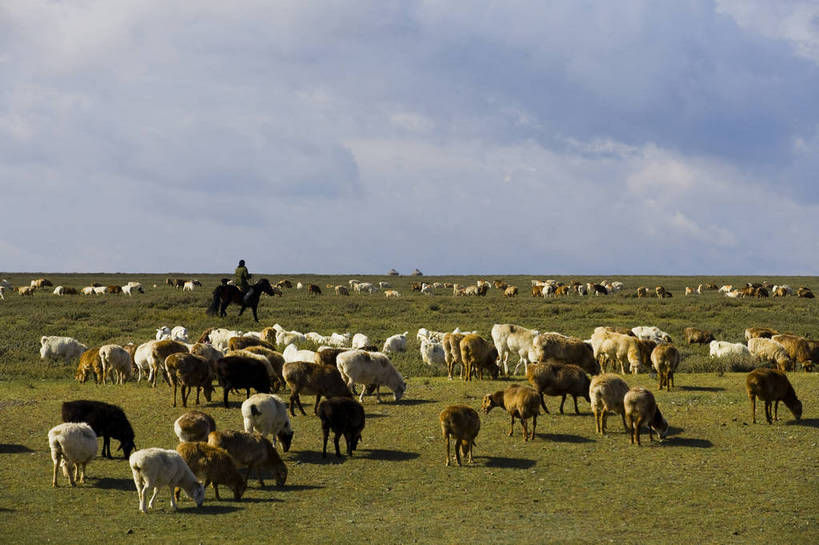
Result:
pixel 546 346
pixel 189 371
pixel 162 333
pixel 113 289
pixel 697 336
pixel 770 351
pixel 362 367
pixel 207 351
pixel 108 421
pixel 219 337
pixel 478 355
pixel 641 408
pixel 665 358
pixel 452 352
pixel 273 362
pixel 607 392
pixel 213 465
pixel 115 361
pixel 65 348
pixel 307 377
pixel 511 338
pixel 267 414
pixel 291 353
pixel 804 292
pixel 326 355
pixel 238 343
pixel 189 285
pixel 155 467
pixel 360 341
pixel 142 360
pixel 89 363
pixel 558 379
pixel 511 291
pixel 396 343
pixel 313 289
pixel 616 348
pixel 342 290
pixel 764 332
pixel 651 333
pixel 88 290
pixel 72 445
pixel 242 372
pixel 462 423
pixel 40 283
pixel 130 289
pixel 253 451
pixel 344 416
pixel 719 349
pixel 432 353
pixel 799 349
pixel 519 401
pixel 283 338
pixel 194 426
pixel 26 290
pixel 771 385
pixel 160 350
pixel 391 293
pixel 179 333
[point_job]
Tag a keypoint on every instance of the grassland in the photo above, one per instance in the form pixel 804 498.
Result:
pixel 716 479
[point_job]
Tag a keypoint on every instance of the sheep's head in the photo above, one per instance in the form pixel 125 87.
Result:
pixel 198 494
pixel 208 390
pixel 239 489
pixel 286 437
pixel 796 409
pixel 280 474
pixel 488 403
pixel 659 424
pixel 398 393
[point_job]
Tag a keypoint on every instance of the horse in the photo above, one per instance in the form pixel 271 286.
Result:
pixel 226 294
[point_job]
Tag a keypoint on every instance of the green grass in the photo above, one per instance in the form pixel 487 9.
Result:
pixel 716 479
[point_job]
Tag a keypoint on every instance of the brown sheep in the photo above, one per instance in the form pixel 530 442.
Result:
pixel 276 361
pixel 26 290
pixel 537 291
pixel 519 401
pixel 551 346
pixel 641 408
pixel 478 354
pixel 452 352
pixel 607 392
pixel 342 290
pixel 326 355
pixel 284 284
pixel 212 465
pixel 558 379
pixel 160 350
pixel 771 385
pixel 41 283
pixel 251 450
pixel 239 343
pixel 462 423
pixel 190 371
pixel 313 289
pixel 511 291
pixel 500 285
pixel 698 336
pixel 307 377
pixel 113 289
pixel 763 332
pixel 90 362
pixel 665 358
pixel 799 349
pixel 344 416
pixel 804 292
pixel 194 426
pixel 642 291
pixel 661 292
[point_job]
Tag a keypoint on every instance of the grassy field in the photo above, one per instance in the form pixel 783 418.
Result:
pixel 716 479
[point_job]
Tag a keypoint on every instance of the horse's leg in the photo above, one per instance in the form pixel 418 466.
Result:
pixel 255 317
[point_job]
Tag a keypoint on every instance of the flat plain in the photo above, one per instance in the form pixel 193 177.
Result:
pixel 717 478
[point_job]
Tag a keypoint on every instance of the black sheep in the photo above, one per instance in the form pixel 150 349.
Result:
pixel 345 416
pixel 242 372
pixel 108 421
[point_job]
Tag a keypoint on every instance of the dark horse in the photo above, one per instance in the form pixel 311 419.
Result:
pixel 226 294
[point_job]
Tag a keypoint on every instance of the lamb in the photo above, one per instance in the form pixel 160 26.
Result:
pixel 771 385
pixel 115 361
pixel 362 367
pixel 267 414
pixel 253 451
pixel 557 379
pixel 108 421
pixel 65 348
pixel 291 353
pixel 547 346
pixel 242 372
pixel 511 338
pixel 697 336
pixel 462 423
pixel 89 363
pixel 189 371
pixel 307 377
pixel 665 358
pixel 478 355
pixel 72 445
pixel 719 349
pixel 519 401
pixel 160 350
pixel 396 343
pixel 432 353
pixel 155 467
pixel 641 408
pixel 344 416
pixel 194 426
pixel 607 392
pixel 770 351
pixel 213 465
pixel 651 333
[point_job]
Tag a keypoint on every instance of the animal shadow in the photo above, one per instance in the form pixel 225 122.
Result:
pixel 14 449
pixel 508 463
pixel 565 438
pixel 412 401
pixel 108 483
pixel 210 509
pixel 388 455
pixel 687 442
pixel 808 422
pixel 701 388
pixel 314 456
pixel 300 487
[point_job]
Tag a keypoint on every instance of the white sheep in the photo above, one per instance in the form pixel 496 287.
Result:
pixel 719 349
pixel 396 343
pixel 220 337
pixel 180 333
pixel 267 414
pixel 317 338
pixel 65 348
pixel 340 339
pixel 292 353
pixel 283 338
pixel 362 367
pixel 651 333
pixel 142 360
pixel 155 467
pixel 115 361
pixel 360 340
pixel 432 353
pixel 163 333
pixel 73 445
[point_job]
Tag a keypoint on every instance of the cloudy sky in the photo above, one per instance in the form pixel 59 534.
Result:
pixel 564 137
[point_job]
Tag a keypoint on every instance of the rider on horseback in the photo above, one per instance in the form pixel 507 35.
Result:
pixel 242 279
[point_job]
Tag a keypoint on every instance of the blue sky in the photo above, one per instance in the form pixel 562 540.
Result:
pixel 459 137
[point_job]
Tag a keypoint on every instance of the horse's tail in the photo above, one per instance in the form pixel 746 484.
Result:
pixel 214 305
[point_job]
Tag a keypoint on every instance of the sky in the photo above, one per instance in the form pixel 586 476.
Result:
pixel 457 137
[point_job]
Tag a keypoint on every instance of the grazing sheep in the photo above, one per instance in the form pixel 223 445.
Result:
pixel 89 363
pixel 799 349
pixel 274 363
pixel 313 289
pixel 291 353
pixel 326 355
pixel 396 343
pixel 553 346
pixel 719 349
pixel 189 371
pixel 432 353
pixel 342 290
pixel 462 423
pixel 391 293
pixel 65 348
pixel 641 408
pixel 360 341
pixel 763 332
pixel 310 378
pixel 207 351
pixel 253 451
pixel 194 426
pixel 142 360
pixel 511 291
pixel 804 292
pixel 108 421
pixel 155 467
pixel 366 368
pixel 213 465
pixel 519 401
pixel 160 350
pixel 651 333
pixel 242 372
pixel 115 361
pixel 771 385
pixel 607 392
pixel 665 358
pixel 344 416
pixel 558 379
pixel 697 336
pixel 769 351
pixel 452 352
pixel 72 445
pixel 512 339
pixel 267 414
pixel 245 341
pixel 616 348
pixel 477 355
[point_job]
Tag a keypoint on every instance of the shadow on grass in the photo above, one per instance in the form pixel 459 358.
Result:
pixel 687 442
pixel 700 388
pixel 108 483
pixel 300 487
pixel 565 438
pixel 7 510
pixel 507 463
pixel 807 422
pixel 388 455
pixel 314 456
pixel 411 402
pixel 253 500
pixel 210 509
pixel 14 449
